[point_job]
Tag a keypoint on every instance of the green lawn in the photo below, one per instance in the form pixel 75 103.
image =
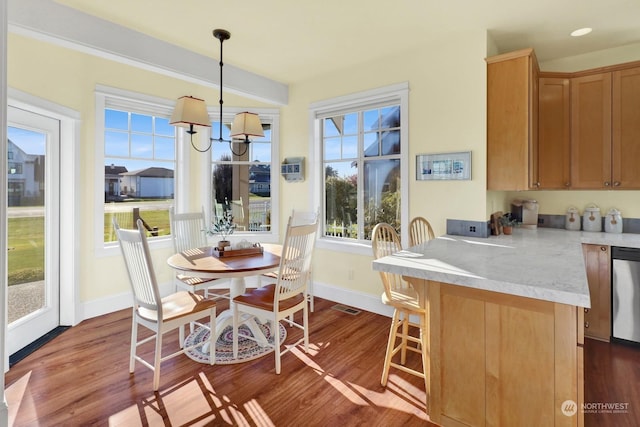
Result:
pixel 26 250
pixel 26 242
pixel 153 218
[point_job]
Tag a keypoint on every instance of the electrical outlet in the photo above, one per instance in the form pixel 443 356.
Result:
pixel 459 227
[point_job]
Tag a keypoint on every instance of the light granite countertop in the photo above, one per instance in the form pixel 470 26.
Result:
pixel 545 264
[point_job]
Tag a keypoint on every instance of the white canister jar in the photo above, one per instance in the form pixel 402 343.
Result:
pixel 591 219
pixel 572 219
pixel 613 221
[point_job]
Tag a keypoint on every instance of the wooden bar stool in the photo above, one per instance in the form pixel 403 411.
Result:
pixel 403 298
pixel 420 231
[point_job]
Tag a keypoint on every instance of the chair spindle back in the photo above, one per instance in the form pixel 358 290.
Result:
pixel 135 251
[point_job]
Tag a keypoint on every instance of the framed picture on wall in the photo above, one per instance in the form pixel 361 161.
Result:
pixel 443 166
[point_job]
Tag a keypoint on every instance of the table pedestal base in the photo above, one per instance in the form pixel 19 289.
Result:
pixel 225 319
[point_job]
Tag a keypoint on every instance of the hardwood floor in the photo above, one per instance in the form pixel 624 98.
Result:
pixel 81 378
pixel 612 384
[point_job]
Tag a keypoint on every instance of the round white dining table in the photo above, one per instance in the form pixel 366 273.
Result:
pixel 201 262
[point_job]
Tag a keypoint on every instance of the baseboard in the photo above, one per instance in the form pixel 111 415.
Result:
pixel 113 303
pixel 362 301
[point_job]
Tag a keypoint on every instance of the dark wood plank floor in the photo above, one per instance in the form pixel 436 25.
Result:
pixel 612 384
pixel 81 378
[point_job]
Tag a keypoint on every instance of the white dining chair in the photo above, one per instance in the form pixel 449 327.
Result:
pixel 156 313
pixel 297 218
pixel 188 232
pixel 280 301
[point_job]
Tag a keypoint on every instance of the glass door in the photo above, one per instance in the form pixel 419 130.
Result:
pixel 33 227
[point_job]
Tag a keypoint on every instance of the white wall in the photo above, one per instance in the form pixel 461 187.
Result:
pixel 600 58
pixel 447 105
pixel 447 113
pixel 69 78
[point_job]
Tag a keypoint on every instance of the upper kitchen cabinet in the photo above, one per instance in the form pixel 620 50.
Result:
pixel 554 133
pixel 591 131
pixel 512 98
pixel 605 129
pixel 626 128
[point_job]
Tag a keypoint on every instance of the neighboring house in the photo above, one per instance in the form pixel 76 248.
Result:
pixel 25 177
pixel 153 182
pixel 112 182
pixel 260 180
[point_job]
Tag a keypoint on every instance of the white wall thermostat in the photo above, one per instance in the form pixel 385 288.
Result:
pixel 292 169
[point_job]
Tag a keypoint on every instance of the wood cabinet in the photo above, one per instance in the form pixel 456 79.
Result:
pixel 512 120
pixel 626 128
pixel 498 359
pixel 597 319
pixel 605 130
pixel 554 133
pixel 591 131
pixel 561 130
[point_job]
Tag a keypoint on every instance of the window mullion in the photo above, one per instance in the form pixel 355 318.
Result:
pixel 361 201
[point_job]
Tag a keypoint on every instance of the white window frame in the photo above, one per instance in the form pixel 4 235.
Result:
pixel 267 115
pixel 108 97
pixel 397 93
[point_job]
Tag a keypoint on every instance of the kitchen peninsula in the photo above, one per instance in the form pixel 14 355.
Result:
pixel 505 318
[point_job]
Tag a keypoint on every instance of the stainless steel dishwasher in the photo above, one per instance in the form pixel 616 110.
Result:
pixel 625 294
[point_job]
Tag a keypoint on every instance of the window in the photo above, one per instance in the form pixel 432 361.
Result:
pixel 361 151
pixel 244 182
pixel 139 163
pixel 15 168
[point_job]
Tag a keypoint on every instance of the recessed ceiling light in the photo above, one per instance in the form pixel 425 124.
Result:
pixel 581 32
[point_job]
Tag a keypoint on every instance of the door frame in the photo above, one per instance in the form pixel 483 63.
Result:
pixel 46 317
pixel 69 206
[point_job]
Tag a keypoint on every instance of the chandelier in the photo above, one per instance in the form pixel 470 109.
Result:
pixel 191 111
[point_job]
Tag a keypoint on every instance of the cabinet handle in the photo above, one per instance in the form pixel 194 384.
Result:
pixel 567 184
pixel 616 183
pixel 603 248
pixel 607 183
pixel 586 310
pixel 586 325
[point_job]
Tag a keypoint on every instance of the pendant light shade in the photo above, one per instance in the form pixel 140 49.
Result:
pixel 189 112
pixel 245 125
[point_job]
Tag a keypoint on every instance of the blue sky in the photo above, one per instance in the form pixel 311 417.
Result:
pixel 29 141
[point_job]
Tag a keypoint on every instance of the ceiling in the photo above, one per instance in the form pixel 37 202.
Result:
pixel 293 40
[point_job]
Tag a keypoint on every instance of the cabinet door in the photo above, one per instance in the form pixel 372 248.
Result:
pixel 626 128
pixel 597 319
pixel 509 120
pixel 591 131
pixel 554 133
